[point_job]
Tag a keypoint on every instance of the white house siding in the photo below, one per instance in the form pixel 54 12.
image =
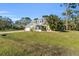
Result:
pixel 33 25
pixel 27 29
pixel 38 30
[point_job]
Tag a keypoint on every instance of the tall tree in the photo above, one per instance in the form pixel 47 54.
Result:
pixel 35 20
pixel 20 24
pixel 5 23
pixel 68 11
pixel 53 21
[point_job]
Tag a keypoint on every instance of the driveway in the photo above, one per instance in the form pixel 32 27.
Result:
pixel 11 32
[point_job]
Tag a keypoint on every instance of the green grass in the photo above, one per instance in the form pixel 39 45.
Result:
pixel 40 43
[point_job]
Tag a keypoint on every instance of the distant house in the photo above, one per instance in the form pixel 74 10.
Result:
pixel 36 25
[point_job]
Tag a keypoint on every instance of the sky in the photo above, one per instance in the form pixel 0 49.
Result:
pixel 33 10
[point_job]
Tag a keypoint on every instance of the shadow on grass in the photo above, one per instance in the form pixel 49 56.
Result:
pixel 4 34
pixel 63 31
pixel 46 50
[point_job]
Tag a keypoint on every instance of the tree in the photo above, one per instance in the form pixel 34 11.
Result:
pixel 35 20
pixel 68 11
pixel 76 21
pixel 5 23
pixel 53 21
pixel 8 22
pixel 20 24
pixel 25 20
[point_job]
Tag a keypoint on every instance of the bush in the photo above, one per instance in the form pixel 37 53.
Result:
pixel 43 28
pixel 32 29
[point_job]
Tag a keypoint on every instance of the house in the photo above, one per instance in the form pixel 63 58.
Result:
pixel 36 25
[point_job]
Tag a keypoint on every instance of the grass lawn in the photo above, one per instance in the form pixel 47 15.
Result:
pixel 40 43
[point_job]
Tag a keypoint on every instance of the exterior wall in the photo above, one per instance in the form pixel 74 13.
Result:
pixel 37 26
pixel 38 30
pixel 27 29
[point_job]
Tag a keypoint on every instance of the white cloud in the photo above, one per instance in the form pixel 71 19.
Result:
pixel 2 12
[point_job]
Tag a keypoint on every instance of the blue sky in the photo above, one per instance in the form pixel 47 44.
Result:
pixel 33 10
